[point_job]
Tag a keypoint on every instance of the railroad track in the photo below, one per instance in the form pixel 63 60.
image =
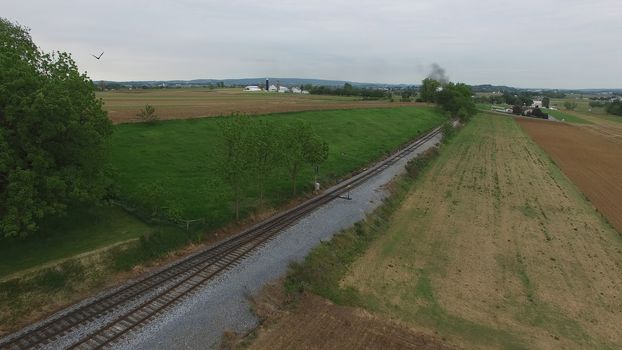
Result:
pixel 156 293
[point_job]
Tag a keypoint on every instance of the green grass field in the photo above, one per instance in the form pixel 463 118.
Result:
pixel 82 230
pixel 182 155
pixel 561 115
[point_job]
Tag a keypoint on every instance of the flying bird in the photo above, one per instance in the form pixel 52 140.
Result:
pixel 98 57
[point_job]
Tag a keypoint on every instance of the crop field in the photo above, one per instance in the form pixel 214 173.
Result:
pixel 507 255
pixel 493 247
pixel 122 105
pixel 183 155
pixel 591 156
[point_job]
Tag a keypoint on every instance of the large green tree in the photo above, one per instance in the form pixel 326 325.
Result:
pixel 53 134
pixel 236 163
pixel 300 146
pixel 457 100
pixel 264 154
pixel 429 89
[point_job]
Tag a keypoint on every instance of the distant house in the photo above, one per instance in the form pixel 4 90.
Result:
pixel 252 88
pixel 536 103
pixel 273 88
pixel 296 90
pixel 283 89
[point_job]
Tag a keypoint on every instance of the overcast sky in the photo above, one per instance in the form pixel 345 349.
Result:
pixel 547 43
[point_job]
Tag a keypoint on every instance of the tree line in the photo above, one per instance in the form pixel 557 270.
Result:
pixel 253 149
pixel 349 90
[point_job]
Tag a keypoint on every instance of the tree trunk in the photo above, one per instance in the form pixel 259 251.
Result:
pixel 237 203
pixel 261 190
pixel 294 176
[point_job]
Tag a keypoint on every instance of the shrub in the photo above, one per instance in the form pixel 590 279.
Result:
pixel 147 114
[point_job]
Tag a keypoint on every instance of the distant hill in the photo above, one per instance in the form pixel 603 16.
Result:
pixel 251 81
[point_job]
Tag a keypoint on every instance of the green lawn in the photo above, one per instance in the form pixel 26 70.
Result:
pixel 566 117
pixel 182 155
pixel 83 230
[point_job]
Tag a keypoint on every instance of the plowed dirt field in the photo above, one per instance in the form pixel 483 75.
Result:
pixel 591 156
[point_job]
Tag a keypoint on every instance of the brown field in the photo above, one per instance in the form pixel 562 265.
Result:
pixel 123 105
pixel 591 156
pixel 315 323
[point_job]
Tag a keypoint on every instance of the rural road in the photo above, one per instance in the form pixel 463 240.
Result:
pixel 222 305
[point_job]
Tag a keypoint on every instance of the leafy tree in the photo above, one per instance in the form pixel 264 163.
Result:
pixel 147 114
pixel 546 102
pixel 234 165
pixel 53 134
pixel 570 105
pixel 522 99
pixel 595 104
pixel 263 148
pixel 537 112
pixel 429 89
pixel 301 146
pixel 614 107
pixel 316 150
pixel 457 100
pixel 155 197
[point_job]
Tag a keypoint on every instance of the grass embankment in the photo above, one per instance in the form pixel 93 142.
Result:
pixel 86 229
pixel 182 156
pixel 493 247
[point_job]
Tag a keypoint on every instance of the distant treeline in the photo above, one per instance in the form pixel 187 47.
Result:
pixel 349 90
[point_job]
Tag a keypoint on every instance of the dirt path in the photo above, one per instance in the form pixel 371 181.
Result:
pixel 495 248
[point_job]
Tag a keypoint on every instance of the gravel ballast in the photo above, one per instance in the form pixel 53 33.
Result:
pixel 222 305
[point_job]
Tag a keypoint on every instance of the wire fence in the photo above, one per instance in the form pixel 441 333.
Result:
pixel 159 217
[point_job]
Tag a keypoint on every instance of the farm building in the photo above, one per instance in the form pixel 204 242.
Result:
pixel 283 89
pixel 536 103
pixel 273 88
pixel 252 88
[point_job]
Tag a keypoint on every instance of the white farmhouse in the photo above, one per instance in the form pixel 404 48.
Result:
pixel 536 103
pixel 272 88
pixel 283 89
pixel 296 90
